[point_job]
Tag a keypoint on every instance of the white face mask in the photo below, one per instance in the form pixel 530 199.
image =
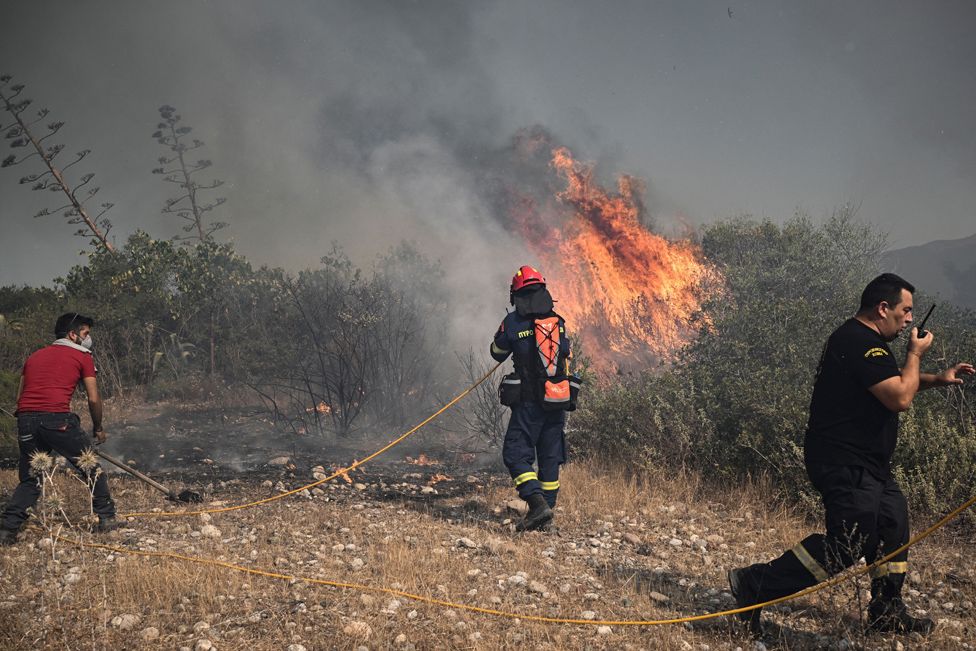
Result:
pixel 87 342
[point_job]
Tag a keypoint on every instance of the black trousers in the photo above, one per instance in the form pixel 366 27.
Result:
pixel 48 432
pixel 865 516
pixel 535 435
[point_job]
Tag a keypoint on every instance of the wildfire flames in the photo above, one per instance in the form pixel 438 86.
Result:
pixel 322 408
pixel 422 460
pixel 620 286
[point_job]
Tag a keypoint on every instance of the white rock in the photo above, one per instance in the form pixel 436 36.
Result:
pixel 203 644
pixel 296 647
pixel 517 579
pixel 150 634
pixel 466 543
pixel 126 622
pixel 535 586
pixel 675 542
pixel 357 563
pixel 279 461
pixel 200 627
pixel 519 506
pixel 660 598
pixel 358 629
pixel 604 630
pixel 589 614
pixel 209 531
pixel 400 639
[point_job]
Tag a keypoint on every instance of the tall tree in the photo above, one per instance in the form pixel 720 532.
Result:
pixel 22 134
pixel 176 169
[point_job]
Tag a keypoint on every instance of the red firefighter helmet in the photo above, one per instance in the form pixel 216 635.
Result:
pixel 526 276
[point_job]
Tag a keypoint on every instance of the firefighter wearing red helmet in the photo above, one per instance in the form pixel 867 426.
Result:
pixel 539 392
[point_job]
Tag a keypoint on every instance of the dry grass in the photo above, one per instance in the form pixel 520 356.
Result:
pixel 611 553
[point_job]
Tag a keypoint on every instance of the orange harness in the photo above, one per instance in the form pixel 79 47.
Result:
pixel 547 341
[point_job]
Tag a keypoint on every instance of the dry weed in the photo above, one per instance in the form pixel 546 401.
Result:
pixel 624 547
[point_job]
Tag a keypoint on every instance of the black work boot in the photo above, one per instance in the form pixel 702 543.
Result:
pixel 7 537
pixel 892 617
pixel 538 515
pixel 107 524
pixel 887 612
pixel 745 595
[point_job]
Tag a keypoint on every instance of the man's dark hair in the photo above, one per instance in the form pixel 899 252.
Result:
pixel 887 288
pixel 70 322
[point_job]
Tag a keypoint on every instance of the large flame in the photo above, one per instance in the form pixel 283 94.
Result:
pixel 631 295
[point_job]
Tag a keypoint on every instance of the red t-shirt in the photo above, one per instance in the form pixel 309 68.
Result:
pixel 50 377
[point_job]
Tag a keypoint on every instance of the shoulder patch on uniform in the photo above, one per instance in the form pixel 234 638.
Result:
pixel 876 352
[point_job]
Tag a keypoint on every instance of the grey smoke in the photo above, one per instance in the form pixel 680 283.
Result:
pixel 365 122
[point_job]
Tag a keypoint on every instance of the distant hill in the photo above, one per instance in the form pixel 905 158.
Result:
pixel 946 268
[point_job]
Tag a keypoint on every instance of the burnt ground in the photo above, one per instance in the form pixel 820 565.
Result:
pixel 205 445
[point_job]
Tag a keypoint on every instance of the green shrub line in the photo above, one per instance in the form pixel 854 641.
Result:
pixel 735 402
pixel 185 322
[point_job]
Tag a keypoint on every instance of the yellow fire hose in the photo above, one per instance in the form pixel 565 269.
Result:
pixel 845 576
pixel 534 618
pixel 337 473
pixel 466 607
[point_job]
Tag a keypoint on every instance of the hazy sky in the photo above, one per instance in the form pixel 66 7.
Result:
pixel 362 122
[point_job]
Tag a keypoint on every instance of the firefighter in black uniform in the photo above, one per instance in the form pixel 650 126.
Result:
pixel 850 438
pixel 539 392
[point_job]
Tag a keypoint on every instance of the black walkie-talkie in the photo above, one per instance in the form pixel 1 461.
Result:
pixel 921 327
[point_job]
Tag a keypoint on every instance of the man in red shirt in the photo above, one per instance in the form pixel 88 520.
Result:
pixel 45 422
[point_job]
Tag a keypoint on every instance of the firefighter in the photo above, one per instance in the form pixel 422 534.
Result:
pixel 539 392
pixel 857 395
pixel 45 422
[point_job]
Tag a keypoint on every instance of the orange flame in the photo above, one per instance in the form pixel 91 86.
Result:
pixel 422 460
pixel 630 294
pixel 322 408
pixel 343 473
pixel 438 478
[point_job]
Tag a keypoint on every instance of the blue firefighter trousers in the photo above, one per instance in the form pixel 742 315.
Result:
pixel 535 436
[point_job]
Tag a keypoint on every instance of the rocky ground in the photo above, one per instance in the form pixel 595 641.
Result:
pixel 622 548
